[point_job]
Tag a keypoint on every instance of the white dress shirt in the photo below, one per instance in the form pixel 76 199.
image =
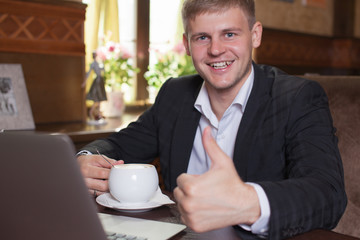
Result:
pixel 224 132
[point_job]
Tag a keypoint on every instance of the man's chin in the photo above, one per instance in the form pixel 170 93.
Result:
pixel 219 86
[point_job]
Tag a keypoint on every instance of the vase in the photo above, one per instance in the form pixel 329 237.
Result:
pixel 114 106
pixel 153 91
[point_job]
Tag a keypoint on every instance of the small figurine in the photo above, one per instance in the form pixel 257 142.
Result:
pixel 97 91
pixel 7 99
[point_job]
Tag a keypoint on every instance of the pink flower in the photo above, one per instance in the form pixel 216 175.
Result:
pixel 110 46
pixel 101 53
pixel 124 52
pixel 156 50
pixel 179 48
pixel 126 55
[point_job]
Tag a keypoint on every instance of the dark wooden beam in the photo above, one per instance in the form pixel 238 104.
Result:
pixel 344 18
pixel 142 46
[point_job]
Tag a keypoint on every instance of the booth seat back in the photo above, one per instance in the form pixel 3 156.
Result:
pixel 344 101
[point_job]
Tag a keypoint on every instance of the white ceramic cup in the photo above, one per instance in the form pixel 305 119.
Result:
pixel 133 183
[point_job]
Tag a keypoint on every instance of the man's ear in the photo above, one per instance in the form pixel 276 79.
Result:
pixel 186 44
pixel 256 33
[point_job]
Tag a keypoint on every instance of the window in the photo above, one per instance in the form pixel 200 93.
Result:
pixel 163 27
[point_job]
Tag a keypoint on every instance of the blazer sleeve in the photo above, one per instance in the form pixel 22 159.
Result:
pixel 312 194
pixel 138 142
pixel 153 134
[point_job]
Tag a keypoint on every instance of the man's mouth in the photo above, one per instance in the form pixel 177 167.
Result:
pixel 221 65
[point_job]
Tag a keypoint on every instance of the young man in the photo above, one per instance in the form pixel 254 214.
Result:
pixel 240 143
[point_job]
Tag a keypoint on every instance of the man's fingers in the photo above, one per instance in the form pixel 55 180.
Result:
pixel 117 162
pixel 95 193
pixel 178 194
pixel 187 183
pixel 94 166
pixel 97 184
pixel 93 171
pixel 184 203
pixel 100 161
pixel 96 171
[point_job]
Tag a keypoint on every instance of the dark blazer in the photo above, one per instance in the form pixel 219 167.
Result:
pixel 286 143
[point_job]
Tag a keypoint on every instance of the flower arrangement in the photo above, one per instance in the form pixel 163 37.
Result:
pixel 172 63
pixel 117 64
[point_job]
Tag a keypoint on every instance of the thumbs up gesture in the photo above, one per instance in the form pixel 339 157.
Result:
pixel 217 198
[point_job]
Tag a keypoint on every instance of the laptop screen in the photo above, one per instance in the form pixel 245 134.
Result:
pixel 43 193
pixel 44 196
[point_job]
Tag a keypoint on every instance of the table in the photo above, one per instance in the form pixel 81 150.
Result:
pixel 170 213
pixel 83 133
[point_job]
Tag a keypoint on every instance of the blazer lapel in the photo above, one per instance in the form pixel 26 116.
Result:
pixel 251 119
pixel 184 135
pixel 185 128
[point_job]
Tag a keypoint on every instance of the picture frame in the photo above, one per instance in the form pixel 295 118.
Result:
pixel 15 109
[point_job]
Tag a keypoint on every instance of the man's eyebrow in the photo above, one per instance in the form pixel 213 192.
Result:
pixel 199 34
pixel 232 30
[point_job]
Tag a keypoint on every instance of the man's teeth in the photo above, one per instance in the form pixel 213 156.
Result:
pixel 220 65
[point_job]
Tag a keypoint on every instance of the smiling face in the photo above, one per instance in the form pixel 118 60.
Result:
pixel 221 47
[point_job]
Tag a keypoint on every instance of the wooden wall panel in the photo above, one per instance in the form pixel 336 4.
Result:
pixel 42 28
pixel 289 49
pixel 54 85
pixel 47 39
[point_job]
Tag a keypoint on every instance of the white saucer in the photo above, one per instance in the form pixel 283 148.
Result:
pixel 159 199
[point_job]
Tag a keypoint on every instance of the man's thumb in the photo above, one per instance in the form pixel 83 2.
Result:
pixel 217 156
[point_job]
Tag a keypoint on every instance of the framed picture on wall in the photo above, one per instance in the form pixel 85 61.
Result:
pixel 15 110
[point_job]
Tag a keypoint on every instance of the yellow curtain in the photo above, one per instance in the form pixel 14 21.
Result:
pixel 101 17
pixel 109 19
pixel 180 28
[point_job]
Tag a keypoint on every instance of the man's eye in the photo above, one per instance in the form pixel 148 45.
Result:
pixel 201 38
pixel 230 34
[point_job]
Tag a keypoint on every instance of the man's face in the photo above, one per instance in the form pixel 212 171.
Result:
pixel 221 47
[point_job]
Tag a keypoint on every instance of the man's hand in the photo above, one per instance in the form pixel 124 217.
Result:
pixel 96 172
pixel 217 198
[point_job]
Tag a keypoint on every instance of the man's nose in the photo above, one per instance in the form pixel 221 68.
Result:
pixel 216 47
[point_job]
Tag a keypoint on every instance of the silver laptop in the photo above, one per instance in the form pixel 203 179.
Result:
pixel 43 195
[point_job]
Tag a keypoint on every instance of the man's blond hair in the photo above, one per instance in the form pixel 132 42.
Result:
pixel 193 8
